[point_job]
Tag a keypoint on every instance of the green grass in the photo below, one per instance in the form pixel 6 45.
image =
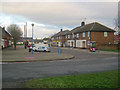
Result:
pixel 93 80
pixel 111 50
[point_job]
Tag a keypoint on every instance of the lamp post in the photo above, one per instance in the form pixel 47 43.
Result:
pixel 32 37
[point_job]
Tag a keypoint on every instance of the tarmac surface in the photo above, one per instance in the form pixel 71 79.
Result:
pixel 23 55
pixel 15 74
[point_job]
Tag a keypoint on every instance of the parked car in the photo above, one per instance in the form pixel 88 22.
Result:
pixel 42 49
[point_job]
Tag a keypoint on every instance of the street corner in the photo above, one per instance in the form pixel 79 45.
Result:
pixel 24 56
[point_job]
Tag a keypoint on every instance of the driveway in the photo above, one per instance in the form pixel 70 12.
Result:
pixel 14 74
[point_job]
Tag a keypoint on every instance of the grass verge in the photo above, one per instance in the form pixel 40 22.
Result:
pixel 111 50
pixel 92 80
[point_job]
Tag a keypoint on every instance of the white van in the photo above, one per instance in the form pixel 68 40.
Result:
pixel 41 47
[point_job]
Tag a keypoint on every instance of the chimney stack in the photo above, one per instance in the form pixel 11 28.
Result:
pixel 3 28
pixel 61 30
pixel 82 23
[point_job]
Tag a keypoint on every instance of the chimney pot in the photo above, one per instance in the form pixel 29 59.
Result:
pixel 61 30
pixel 82 23
pixel 3 28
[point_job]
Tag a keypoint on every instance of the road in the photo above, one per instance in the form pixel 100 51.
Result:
pixel 15 74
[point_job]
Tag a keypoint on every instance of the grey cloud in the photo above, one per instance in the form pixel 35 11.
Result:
pixel 61 14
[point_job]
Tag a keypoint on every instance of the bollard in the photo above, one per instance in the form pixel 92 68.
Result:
pixel 58 50
pixel 98 50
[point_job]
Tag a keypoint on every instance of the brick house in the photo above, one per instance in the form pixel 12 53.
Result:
pixel 81 36
pixel 54 39
pixel 93 32
pixel 59 38
pixel 5 38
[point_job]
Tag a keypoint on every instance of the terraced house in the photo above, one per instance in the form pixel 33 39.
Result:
pixel 59 38
pixel 81 36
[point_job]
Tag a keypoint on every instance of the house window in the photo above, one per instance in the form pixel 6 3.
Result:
pixel 53 38
pixel 88 34
pixel 105 34
pixel 59 37
pixel 68 36
pixel 77 35
pixel 73 35
pixel 83 34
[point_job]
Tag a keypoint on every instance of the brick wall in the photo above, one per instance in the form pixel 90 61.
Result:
pixel 100 39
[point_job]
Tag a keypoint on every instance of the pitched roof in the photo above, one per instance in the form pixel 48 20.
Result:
pixel 5 34
pixel 55 35
pixel 93 27
pixel 61 33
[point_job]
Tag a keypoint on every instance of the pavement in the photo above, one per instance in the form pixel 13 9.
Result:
pixel 23 55
pixel 14 74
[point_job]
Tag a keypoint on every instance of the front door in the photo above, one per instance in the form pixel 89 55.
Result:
pixel 83 44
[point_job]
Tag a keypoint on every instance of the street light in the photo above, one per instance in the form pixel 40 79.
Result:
pixel 32 37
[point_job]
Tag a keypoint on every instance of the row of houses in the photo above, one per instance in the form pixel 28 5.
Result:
pixel 5 38
pixel 83 35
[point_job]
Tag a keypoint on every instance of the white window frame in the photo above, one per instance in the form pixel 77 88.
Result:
pixel 68 35
pixel 73 35
pixel 59 37
pixel 88 34
pixel 77 35
pixel 83 34
pixel 105 34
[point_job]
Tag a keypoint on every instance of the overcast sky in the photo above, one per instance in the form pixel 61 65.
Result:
pixel 50 17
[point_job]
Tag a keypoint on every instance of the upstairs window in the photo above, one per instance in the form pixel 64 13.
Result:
pixel 105 34
pixel 53 38
pixel 68 36
pixel 77 35
pixel 83 34
pixel 73 35
pixel 88 34
pixel 59 37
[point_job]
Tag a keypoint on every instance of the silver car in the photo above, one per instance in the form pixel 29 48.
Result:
pixel 42 49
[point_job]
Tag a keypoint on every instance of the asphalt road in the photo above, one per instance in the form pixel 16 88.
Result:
pixel 15 74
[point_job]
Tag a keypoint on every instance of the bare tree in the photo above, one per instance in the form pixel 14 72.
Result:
pixel 15 32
